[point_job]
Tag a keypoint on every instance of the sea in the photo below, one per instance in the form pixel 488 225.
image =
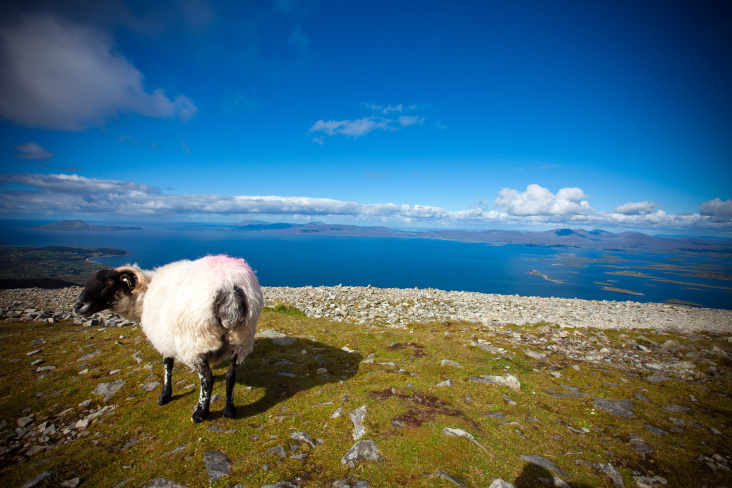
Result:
pixel 694 278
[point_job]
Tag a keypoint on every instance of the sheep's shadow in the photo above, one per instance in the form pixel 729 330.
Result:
pixel 283 371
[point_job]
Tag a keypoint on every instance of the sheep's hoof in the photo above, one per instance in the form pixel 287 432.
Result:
pixel 199 415
pixel 164 399
pixel 230 411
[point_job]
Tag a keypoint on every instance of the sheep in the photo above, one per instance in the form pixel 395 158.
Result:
pixel 198 312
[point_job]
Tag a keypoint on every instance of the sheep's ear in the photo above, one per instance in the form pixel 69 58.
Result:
pixel 132 277
pixel 129 279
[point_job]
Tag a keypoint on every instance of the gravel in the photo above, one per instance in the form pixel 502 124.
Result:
pixel 396 307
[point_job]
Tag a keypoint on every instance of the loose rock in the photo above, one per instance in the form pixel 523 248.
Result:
pixel 620 408
pixel 107 390
pixel 362 451
pixel 545 463
pixel 217 465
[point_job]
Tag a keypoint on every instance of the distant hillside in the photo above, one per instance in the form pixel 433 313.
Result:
pixel 50 266
pixel 558 237
pixel 80 225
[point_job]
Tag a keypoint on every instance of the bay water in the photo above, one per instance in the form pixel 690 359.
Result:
pixel 387 262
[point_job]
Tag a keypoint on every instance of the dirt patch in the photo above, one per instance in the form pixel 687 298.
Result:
pixel 423 408
pixel 384 394
pixel 417 350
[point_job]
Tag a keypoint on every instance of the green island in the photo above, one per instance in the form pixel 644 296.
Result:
pixel 49 266
pixel 545 276
pixel 615 289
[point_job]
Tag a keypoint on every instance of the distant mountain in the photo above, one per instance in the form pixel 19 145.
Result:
pixel 342 230
pixel 80 225
pixel 264 226
pixel 558 237
pixel 583 238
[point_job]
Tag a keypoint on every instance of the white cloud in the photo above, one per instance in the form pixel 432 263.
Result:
pixel 355 128
pixel 717 208
pixel 637 208
pixel 64 76
pixel 32 151
pixel 538 201
pixel 60 193
pixel 385 109
pixel 405 120
pixel 75 184
pixel 362 126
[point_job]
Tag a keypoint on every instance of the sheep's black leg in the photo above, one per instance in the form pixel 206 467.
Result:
pixel 204 400
pixel 167 392
pixel 229 409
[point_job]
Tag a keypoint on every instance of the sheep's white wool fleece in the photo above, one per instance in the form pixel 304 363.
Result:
pixel 178 315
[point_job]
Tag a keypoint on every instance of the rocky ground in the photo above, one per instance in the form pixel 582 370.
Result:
pixel 395 307
pixel 650 359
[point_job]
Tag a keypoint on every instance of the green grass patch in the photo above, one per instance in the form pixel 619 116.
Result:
pixel 394 372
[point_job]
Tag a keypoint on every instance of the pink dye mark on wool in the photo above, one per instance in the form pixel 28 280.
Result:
pixel 219 267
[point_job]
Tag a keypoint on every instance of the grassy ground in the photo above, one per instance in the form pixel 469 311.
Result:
pixel 406 413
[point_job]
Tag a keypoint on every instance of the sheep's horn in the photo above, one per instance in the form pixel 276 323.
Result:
pixel 138 274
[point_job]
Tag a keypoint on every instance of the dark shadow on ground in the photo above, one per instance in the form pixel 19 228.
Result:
pixel 529 478
pixel 263 368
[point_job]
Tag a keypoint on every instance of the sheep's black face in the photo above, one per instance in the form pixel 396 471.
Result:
pixel 103 289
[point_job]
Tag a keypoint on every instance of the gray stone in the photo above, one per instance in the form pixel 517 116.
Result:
pixel 217 465
pixel 302 437
pixel 646 482
pixel 451 479
pixel 461 433
pixel 505 380
pixel 351 482
pixel 72 483
pixel 38 479
pixel 278 338
pixel 357 417
pixel 447 383
pixel 151 386
pixel 639 445
pixel 496 415
pixel 655 430
pixel 163 483
pixel 676 408
pixel 554 481
pixel 640 396
pixel 611 471
pixel 487 348
pixel 539 356
pixel 25 421
pixel 619 408
pixel 107 390
pixel 34 450
pixel 447 362
pixel 278 451
pixel 362 451
pixel 508 400
pixel 499 483
pixel 545 463
pixel 88 356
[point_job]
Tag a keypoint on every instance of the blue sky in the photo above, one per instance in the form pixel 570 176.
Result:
pixel 490 114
